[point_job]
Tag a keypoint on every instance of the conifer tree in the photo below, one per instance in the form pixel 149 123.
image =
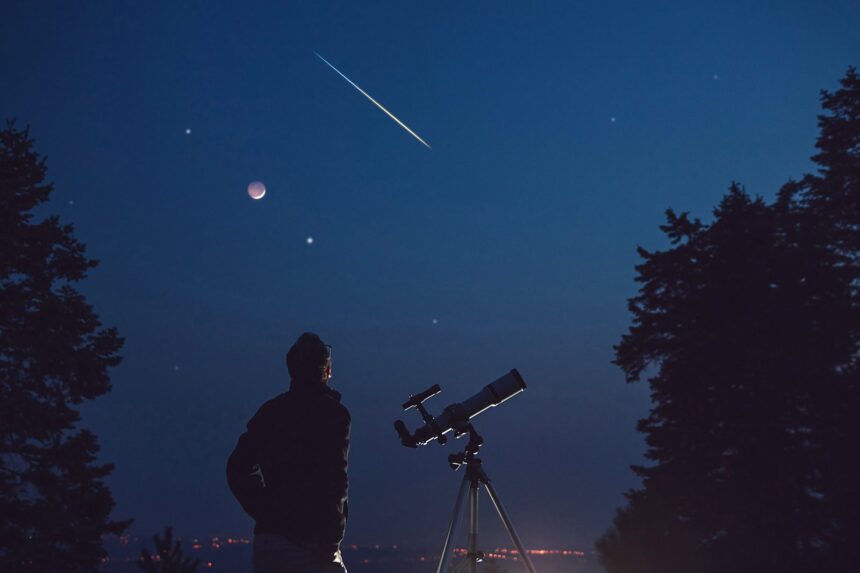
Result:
pixel 168 556
pixel 54 354
pixel 747 330
pixel 828 221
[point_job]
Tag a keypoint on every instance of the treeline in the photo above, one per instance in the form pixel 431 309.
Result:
pixel 747 330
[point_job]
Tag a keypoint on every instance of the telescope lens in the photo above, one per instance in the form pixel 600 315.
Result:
pixel 494 393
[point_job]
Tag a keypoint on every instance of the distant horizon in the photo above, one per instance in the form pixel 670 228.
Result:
pixel 355 556
pixel 238 540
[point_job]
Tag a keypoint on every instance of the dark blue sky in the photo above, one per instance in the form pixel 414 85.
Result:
pixel 516 232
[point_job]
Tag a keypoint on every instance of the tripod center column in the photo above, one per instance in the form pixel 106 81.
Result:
pixel 473 527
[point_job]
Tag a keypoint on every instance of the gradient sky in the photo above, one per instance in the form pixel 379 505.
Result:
pixel 516 232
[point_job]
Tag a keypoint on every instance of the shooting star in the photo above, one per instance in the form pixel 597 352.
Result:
pixel 376 103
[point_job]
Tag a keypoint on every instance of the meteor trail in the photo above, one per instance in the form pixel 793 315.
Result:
pixel 376 103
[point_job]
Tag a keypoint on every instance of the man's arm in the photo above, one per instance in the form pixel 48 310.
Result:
pixel 331 461
pixel 246 484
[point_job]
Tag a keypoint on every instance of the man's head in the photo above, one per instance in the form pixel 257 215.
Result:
pixel 309 360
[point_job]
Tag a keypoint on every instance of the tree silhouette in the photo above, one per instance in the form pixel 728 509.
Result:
pixel 828 217
pixel 54 354
pixel 748 331
pixel 168 556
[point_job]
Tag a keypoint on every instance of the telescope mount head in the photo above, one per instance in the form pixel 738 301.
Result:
pixel 469 453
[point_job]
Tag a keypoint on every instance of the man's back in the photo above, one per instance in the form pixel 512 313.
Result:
pixel 289 469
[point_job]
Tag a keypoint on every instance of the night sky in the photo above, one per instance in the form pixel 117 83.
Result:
pixel 560 133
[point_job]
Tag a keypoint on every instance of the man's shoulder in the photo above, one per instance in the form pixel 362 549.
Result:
pixel 289 404
pixel 268 410
pixel 333 403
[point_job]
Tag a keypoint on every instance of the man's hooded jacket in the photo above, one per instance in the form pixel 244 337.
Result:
pixel 289 468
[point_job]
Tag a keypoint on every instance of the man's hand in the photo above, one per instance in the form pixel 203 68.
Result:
pixel 330 554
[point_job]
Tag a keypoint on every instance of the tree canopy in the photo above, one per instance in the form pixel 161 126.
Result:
pixel 54 354
pixel 747 330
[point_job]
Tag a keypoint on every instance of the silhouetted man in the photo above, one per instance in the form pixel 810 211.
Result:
pixel 289 468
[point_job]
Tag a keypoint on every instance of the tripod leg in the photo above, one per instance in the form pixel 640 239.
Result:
pixel 509 526
pixel 473 527
pixel 452 529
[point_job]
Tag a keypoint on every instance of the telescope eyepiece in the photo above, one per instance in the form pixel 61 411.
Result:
pixel 405 437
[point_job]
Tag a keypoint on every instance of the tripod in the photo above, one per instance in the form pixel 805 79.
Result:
pixel 475 476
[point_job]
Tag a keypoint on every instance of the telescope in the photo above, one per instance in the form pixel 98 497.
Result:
pixel 455 418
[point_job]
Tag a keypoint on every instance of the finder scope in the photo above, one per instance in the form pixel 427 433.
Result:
pixel 456 416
